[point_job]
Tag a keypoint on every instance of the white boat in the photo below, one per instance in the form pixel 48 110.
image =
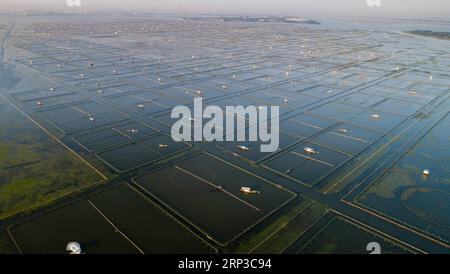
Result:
pixel 244 148
pixel 375 116
pixel 163 146
pixel 249 190
pixel 310 150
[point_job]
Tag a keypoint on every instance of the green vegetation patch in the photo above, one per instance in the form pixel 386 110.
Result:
pixel 292 230
pixel 34 168
pixel 256 241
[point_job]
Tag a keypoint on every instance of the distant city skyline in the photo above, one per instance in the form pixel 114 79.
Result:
pixel 388 8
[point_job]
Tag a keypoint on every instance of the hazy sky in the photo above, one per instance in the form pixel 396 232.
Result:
pixel 389 8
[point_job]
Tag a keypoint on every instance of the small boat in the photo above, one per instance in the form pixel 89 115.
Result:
pixel 426 172
pixel 310 150
pixel 40 104
pixel 91 119
pixel 141 106
pixel 249 190
pixel 244 148
pixel 343 130
pixel 375 116
pixel 163 146
pixel 134 130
